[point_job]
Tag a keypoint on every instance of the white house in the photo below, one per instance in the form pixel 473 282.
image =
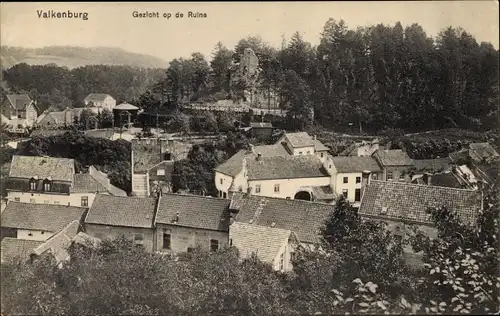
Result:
pixel 99 101
pixel 38 222
pixel 296 167
pixel 271 245
pixel 347 175
pixel 47 180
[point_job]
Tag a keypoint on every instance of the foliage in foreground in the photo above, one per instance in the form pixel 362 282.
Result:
pixel 459 276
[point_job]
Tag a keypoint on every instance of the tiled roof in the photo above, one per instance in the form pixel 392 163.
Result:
pixel 99 97
pixel 59 169
pixel 261 125
pixel 14 249
pixel 410 201
pixel 58 244
pixel 324 192
pixel 484 150
pixel 194 211
pixel 85 183
pixel 122 211
pixel 234 165
pixel 355 164
pixel 47 217
pixel 265 242
pixel 318 146
pixel 433 165
pixel 299 139
pixel 445 180
pixel 19 101
pixel 285 167
pixel 301 217
pixel 126 107
pixel 393 157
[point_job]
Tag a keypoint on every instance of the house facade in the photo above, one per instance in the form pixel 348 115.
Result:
pixel 261 129
pixel 20 110
pixel 58 118
pixel 48 180
pixel 348 173
pixel 99 101
pixel 396 165
pixel 271 245
pixel 294 167
pixel 186 222
pixel 37 222
pixel 111 217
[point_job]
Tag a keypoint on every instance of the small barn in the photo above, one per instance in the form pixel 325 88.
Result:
pixel 124 114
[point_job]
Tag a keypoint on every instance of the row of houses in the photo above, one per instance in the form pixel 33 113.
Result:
pixel 299 166
pixel 20 112
pixel 269 227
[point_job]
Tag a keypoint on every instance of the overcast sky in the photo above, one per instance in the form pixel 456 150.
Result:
pixel 112 24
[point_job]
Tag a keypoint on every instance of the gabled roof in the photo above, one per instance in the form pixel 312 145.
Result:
pixel 126 107
pixel 445 180
pixel 285 167
pixel 356 164
pixel 484 150
pixel 234 165
pixel 432 165
pixel 265 242
pixel 410 201
pixel 85 183
pixel 46 217
pixel 193 211
pixel 393 157
pixel 318 146
pixel 14 249
pixel 57 245
pixel 299 139
pixel 96 97
pixel 58 169
pixel 122 211
pixel 304 218
pixel 19 101
pixel 261 125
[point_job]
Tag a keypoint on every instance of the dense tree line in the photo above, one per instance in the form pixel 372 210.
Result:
pixel 360 270
pixel 375 78
pixel 59 87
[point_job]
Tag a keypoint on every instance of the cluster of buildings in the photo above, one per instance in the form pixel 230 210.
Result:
pixel 271 198
pixel 21 113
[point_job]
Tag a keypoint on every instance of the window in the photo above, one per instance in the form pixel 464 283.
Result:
pixel 346 180
pixel 357 195
pixel 288 198
pixel 308 152
pixel 46 185
pixel 167 156
pixel 374 176
pixel 30 234
pixel 32 184
pixel 231 242
pixel 17 199
pixel 32 201
pixel 160 172
pixel 358 179
pixel 293 256
pixel 300 153
pixel 389 175
pixel 190 249
pixel 282 262
pixel 214 244
pixel 166 241
pixel 85 201
pixel 344 193
pixel 56 202
pixel 257 188
pixel 221 181
pixel 42 232
pixel 138 239
pixel 276 188
pixel 224 195
pixel 401 176
pixel 321 155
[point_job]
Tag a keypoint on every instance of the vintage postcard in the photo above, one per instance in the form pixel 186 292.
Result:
pixel 249 158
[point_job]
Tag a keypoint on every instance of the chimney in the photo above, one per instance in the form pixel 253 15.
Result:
pixel 259 156
pixel 176 220
pixel 314 137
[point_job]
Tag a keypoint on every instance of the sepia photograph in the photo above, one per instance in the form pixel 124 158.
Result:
pixel 250 158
